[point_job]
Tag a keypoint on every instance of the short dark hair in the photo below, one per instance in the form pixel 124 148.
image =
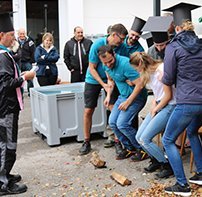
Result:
pixel 119 28
pixel 105 49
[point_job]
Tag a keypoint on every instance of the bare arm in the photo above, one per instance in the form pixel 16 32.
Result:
pixel 110 88
pixel 94 73
pixel 164 101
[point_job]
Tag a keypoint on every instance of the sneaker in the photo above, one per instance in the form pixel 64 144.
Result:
pixel 13 188
pixel 85 149
pixel 118 147
pixel 196 179
pixel 14 178
pixel 140 155
pixel 124 154
pixel 109 143
pixel 153 166
pixel 165 171
pixel 179 190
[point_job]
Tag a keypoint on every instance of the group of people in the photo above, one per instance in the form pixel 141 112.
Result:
pixel 118 64
pixel 45 56
pixel 172 69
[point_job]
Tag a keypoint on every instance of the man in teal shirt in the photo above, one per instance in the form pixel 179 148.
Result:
pixel 131 100
pixel 96 78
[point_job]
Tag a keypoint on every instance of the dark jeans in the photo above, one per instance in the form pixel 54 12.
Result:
pixel 48 79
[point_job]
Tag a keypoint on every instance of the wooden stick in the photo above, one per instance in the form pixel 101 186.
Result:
pixel 120 179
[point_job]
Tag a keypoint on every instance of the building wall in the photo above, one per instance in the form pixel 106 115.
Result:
pixel 95 16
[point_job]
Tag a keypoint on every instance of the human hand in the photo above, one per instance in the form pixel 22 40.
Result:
pixel 129 82
pixel 28 75
pixel 124 105
pixel 106 102
pixel 153 112
pixel 107 87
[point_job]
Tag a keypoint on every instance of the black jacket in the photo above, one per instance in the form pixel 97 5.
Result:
pixel 71 56
pixel 8 84
pixel 27 49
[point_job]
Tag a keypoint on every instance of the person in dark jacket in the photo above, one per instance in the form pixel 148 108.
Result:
pixel 183 67
pixel 76 53
pixel 10 105
pixel 27 57
pixel 46 56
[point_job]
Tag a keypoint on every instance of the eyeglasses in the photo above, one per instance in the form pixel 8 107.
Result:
pixel 122 39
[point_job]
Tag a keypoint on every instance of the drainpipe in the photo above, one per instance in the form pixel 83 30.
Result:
pixel 157 7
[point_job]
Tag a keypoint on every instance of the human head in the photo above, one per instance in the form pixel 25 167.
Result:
pixel 106 55
pixel 109 29
pixel 117 35
pixel 160 40
pixel 144 64
pixel 185 26
pixel 7 35
pixel 158 26
pixel 171 29
pixel 22 34
pixel 78 33
pixel 47 40
pixel 136 30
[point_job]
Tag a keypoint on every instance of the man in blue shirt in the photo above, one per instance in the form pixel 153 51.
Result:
pixel 96 78
pixel 131 100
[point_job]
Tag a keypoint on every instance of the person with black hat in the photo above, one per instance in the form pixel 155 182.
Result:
pixel 10 105
pixel 131 42
pixel 158 26
pixel 183 68
pixel 130 45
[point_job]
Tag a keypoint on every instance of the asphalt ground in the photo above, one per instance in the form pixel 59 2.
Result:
pixel 60 171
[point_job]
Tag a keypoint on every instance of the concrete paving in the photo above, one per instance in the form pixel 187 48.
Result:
pixel 61 171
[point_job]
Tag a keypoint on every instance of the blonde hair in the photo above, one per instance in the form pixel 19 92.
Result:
pixel 147 63
pixel 48 35
pixel 187 25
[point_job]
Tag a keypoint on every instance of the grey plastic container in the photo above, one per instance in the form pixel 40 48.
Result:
pixel 57 112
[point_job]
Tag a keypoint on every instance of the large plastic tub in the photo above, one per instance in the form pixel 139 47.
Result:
pixel 57 112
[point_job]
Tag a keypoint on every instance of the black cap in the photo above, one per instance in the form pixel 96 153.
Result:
pixel 6 24
pixel 148 38
pixel 181 12
pixel 138 24
pixel 158 26
pixel 159 37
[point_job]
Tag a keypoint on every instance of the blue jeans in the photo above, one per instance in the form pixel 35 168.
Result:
pixel 149 128
pixel 26 66
pixel 120 122
pixel 189 117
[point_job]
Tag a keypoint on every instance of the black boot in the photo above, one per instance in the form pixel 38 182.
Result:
pixel 165 171
pixel 153 166
pixel 13 188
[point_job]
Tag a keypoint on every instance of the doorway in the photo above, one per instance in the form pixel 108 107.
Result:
pixel 42 16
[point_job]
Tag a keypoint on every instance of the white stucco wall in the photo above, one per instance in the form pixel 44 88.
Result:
pixel 96 15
